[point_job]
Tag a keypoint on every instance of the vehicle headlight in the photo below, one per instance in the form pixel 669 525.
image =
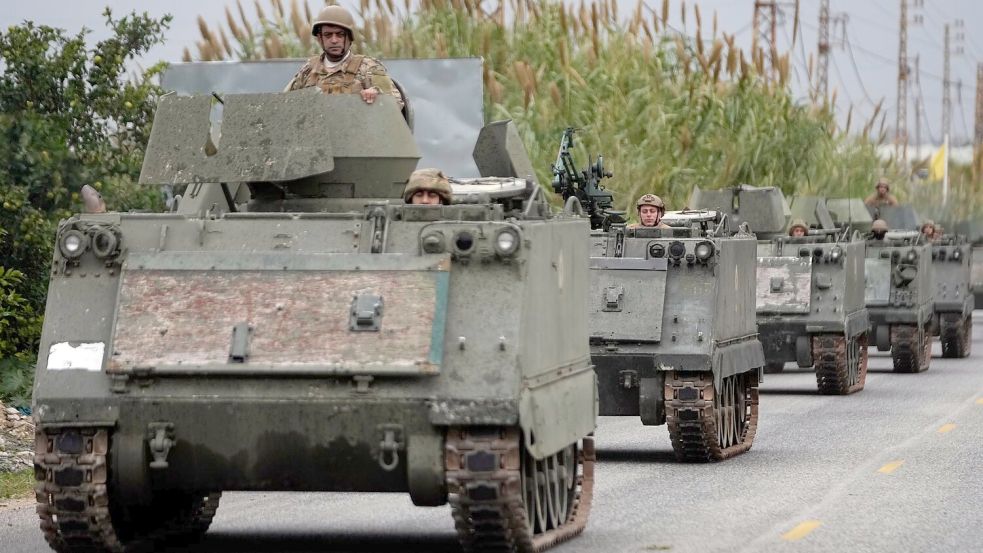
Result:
pixel 104 243
pixel 677 250
pixel 703 250
pixel 433 242
pixel 463 241
pixel 506 241
pixel 657 250
pixel 957 255
pixel 73 244
pixel 835 254
pixel 911 256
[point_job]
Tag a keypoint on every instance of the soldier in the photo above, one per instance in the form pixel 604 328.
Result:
pixel 878 229
pixel 337 70
pixel 92 200
pixel 798 228
pixel 427 187
pixel 650 208
pixel 928 230
pixel 882 197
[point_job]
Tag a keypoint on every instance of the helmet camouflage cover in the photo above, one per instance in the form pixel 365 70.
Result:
pixel 652 200
pixel 337 16
pixel 879 225
pixel 428 179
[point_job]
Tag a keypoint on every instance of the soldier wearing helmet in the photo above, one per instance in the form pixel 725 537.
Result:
pixel 337 70
pixel 427 187
pixel 928 230
pixel 882 196
pixel 798 228
pixel 878 229
pixel 650 210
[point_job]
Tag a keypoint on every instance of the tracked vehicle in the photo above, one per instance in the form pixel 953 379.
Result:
pixel 673 335
pixel 810 302
pixel 295 326
pixel 900 295
pixel 952 264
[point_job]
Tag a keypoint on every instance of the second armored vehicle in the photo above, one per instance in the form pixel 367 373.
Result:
pixel 953 307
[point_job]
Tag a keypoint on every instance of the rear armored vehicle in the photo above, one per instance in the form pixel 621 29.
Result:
pixel 809 300
pixel 294 325
pixel 953 308
pixel 900 296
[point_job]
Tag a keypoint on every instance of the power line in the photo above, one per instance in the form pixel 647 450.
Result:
pixel 856 70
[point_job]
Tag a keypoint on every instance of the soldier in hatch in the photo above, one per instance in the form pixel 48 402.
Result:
pixel 878 229
pixel 882 196
pixel 650 208
pixel 427 187
pixel 798 228
pixel 928 231
pixel 337 70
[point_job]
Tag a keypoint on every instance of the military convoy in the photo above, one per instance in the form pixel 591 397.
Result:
pixel 809 297
pixel 672 331
pixel 295 326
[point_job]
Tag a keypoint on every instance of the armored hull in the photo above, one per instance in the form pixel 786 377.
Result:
pixel 672 325
pixel 952 265
pixel 330 338
pixel 811 311
pixel 900 297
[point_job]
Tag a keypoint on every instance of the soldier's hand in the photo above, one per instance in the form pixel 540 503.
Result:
pixel 370 94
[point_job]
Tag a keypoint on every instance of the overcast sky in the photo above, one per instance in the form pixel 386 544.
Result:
pixel 863 68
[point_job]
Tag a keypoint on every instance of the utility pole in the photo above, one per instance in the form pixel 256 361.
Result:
pixel 918 110
pixel 765 25
pixel 901 123
pixel 946 89
pixel 978 134
pixel 822 59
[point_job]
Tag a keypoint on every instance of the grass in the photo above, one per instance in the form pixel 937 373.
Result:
pixel 16 485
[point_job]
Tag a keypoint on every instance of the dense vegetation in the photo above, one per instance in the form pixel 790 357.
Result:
pixel 69 116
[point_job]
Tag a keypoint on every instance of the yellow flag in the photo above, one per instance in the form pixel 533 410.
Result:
pixel 936 169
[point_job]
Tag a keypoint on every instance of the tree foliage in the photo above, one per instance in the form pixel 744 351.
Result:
pixel 69 115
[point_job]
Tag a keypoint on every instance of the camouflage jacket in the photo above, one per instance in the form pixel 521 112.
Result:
pixel 355 74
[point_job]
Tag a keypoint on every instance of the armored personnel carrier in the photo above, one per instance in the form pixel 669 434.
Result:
pixel 810 303
pixel 672 331
pixel 953 307
pixel 900 294
pixel 296 326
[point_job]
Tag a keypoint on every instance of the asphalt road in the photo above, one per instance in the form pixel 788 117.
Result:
pixel 895 468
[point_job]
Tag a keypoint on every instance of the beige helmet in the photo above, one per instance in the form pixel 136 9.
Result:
pixel 884 182
pixel 879 225
pixel 428 179
pixel 928 223
pixel 337 16
pixel 798 223
pixel 650 199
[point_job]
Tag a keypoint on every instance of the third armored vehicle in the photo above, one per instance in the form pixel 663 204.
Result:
pixel 810 303
pixel 673 335
pixel 296 326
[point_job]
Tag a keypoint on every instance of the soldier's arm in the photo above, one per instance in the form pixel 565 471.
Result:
pixel 377 74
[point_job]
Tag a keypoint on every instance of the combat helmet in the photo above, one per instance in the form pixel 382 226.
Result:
pixel 883 182
pixel 879 225
pixel 428 179
pixel 652 200
pixel 798 223
pixel 337 16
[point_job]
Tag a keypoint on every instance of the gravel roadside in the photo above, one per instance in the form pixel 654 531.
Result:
pixel 16 440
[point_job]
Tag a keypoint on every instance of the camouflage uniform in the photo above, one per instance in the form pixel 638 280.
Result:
pixel 352 75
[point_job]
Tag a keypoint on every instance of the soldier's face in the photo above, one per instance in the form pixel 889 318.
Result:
pixel 649 215
pixel 881 190
pixel 425 197
pixel 798 231
pixel 334 41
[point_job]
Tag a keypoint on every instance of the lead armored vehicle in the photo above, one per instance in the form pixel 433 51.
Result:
pixel 672 330
pixel 810 302
pixel 900 295
pixel 953 308
pixel 327 337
